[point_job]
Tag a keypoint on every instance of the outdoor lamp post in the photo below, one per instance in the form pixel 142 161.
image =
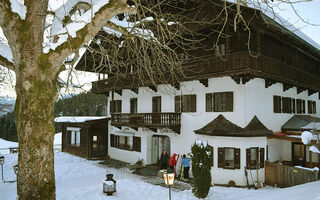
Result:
pixel 109 185
pixel 15 168
pixel 1 163
pixel 169 180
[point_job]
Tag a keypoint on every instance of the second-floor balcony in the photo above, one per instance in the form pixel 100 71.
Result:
pixel 237 64
pixel 148 120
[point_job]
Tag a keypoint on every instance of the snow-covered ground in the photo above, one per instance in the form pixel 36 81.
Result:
pixel 78 178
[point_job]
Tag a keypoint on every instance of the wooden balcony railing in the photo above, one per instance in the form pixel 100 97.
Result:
pixel 148 120
pixel 237 63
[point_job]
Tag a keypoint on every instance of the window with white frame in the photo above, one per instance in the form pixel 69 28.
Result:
pixel 75 138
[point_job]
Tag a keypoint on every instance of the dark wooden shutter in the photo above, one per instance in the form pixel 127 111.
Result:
pixel 221 157
pixel 133 105
pixel 209 104
pixel 119 106
pixel 276 104
pixel 261 157
pixel 299 106
pixel 303 106
pixel 137 144
pixel 229 101
pixel 177 104
pixel 293 104
pixel 248 157
pixel 112 140
pixel 237 158
pixel 112 106
pixel 116 143
pixel 310 107
pixel 314 107
pixel 211 155
pixel 193 103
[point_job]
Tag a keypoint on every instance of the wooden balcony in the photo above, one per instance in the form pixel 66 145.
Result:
pixel 240 64
pixel 148 120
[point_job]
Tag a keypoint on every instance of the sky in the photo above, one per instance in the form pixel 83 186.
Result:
pixel 309 12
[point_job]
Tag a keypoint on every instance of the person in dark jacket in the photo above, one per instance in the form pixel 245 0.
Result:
pixel 173 162
pixel 186 166
pixel 164 159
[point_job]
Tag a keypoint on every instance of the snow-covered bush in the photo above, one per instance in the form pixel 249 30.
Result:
pixel 201 166
pixel 307 137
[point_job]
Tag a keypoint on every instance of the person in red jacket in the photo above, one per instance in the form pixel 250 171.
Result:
pixel 173 162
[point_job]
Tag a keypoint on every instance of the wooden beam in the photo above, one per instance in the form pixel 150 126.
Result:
pixel 268 82
pixel 175 129
pixel 153 88
pixel 311 92
pixel 204 82
pixel 119 92
pixel 135 90
pixel 246 78
pixel 300 89
pixel 134 128
pixel 153 129
pixel 286 86
pixel 236 79
pixel 176 85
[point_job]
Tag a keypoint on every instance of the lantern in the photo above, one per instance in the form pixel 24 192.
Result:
pixel 169 180
pixel 109 185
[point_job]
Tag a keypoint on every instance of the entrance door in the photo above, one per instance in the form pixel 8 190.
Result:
pixel 159 143
pixel 98 146
pixel 298 154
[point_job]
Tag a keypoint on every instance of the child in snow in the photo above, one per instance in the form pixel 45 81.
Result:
pixel 186 166
pixel 173 162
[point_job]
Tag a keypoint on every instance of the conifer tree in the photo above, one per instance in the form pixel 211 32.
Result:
pixel 201 167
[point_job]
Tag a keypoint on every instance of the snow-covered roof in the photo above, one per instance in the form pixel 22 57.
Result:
pixel 312 126
pixel 77 119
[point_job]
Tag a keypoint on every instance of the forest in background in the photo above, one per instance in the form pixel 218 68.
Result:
pixel 83 104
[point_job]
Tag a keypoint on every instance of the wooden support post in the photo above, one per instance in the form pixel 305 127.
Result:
pixel 310 159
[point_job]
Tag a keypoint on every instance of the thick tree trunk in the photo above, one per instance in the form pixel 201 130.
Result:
pixel 36 97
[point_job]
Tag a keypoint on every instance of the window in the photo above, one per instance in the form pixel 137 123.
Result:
pixel 312 107
pixel 75 138
pixel 219 102
pixel 124 143
pixel 229 158
pixel 286 105
pixel 115 106
pixel 133 105
pixel 301 104
pixel 94 141
pixel 156 104
pixel 185 103
pixel 130 143
pixel 220 50
pixel 253 155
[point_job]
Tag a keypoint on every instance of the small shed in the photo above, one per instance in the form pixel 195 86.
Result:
pixel 86 137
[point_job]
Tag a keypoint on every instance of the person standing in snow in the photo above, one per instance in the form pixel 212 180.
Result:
pixel 186 166
pixel 173 162
pixel 164 159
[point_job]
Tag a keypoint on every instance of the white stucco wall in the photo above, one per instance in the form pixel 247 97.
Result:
pixel 249 100
pixel 279 150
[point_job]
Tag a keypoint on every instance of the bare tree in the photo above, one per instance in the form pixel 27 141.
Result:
pixel 153 38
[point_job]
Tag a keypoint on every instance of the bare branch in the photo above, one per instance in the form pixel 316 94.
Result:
pixel 84 35
pixel 6 63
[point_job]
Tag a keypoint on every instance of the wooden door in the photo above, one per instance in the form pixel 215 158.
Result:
pixel 298 154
